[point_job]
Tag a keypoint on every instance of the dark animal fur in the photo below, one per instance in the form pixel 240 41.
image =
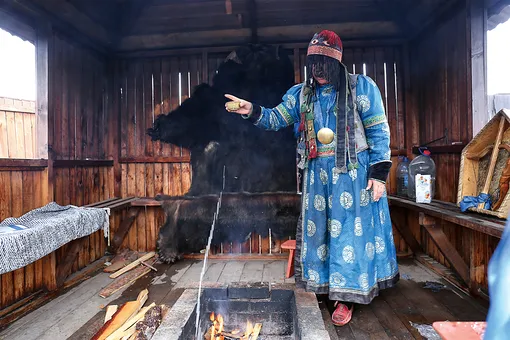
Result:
pixel 254 160
pixel 189 220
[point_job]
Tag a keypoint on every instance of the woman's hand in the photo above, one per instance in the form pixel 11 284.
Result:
pixel 245 107
pixel 377 187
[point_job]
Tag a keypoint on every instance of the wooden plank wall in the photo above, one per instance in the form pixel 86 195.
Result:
pixel 438 99
pixel 17 128
pixel 80 130
pixel 20 192
pixel 148 87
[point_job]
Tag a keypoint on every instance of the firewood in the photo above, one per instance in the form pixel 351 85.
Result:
pixel 116 266
pixel 133 337
pixel 124 280
pixel 124 329
pixel 110 310
pixel 132 265
pixel 150 323
pixel 256 331
pixel 124 313
pixel 149 266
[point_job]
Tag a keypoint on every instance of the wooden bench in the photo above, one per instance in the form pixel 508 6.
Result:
pixel 291 246
pixel 430 217
pixel 64 268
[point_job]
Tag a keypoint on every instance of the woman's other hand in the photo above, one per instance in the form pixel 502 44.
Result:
pixel 377 187
pixel 245 107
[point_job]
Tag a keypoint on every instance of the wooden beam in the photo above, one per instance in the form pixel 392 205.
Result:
pixel 146 202
pixel 10 23
pixel 495 6
pixel 238 257
pixel 165 52
pixel 443 11
pixel 368 31
pixel 122 231
pixel 477 33
pixel 393 12
pixel 34 14
pixel 66 265
pixel 129 13
pixel 398 219
pixel 441 240
pixel 42 54
pixel 83 163
pixel 65 11
pixel 440 149
pixel 23 164
pixel 170 159
pixel 252 15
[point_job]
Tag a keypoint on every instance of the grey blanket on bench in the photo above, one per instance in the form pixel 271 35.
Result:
pixel 46 229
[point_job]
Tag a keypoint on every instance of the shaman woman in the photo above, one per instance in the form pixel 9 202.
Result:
pixel 344 238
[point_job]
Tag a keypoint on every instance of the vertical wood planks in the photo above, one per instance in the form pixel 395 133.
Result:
pixel 17 128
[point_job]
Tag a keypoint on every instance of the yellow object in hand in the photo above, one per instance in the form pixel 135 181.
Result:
pixel 233 106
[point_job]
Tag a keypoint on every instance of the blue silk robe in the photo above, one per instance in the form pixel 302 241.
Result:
pixel 345 244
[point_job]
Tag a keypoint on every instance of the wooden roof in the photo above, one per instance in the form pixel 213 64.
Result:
pixel 134 25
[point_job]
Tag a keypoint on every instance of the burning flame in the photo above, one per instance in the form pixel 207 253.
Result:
pixel 216 331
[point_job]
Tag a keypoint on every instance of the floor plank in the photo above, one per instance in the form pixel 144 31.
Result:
pixel 391 323
pixel 253 271
pixel 326 316
pixel 65 314
pixel 460 306
pixel 424 301
pixel 404 310
pixel 365 325
pixel 232 271
pixel 214 270
pixel 190 276
pixel 274 272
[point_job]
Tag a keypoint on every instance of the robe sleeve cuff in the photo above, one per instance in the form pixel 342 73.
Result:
pixel 379 171
pixel 254 115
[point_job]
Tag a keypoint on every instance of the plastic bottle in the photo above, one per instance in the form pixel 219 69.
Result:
pixel 423 165
pixel 403 176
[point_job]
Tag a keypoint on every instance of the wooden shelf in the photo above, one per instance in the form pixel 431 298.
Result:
pixel 176 159
pixel 22 164
pixel 441 149
pixel 83 163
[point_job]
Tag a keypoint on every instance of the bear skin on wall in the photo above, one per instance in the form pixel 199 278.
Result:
pixel 228 151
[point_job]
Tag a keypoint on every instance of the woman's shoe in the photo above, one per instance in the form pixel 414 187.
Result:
pixel 342 314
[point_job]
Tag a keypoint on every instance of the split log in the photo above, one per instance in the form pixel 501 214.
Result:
pixel 124 313
pixel 124 280
pixel 110 310
pixel 127 328
pixel 132 265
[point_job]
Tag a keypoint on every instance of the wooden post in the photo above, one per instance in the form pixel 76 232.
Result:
pixel 42 82
pixel 477 34
pixel 441 240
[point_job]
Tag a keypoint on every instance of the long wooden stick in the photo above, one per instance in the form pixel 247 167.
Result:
pixel 132 265
pixel 494 158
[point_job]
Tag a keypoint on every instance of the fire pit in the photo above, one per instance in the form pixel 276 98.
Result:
pixel 244 311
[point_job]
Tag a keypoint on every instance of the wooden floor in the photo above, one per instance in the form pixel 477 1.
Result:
pixel 393 315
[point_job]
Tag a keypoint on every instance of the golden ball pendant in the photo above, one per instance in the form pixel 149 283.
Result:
pixel 325 135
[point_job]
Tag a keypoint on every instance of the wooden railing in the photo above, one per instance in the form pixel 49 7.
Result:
pixel 17 128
